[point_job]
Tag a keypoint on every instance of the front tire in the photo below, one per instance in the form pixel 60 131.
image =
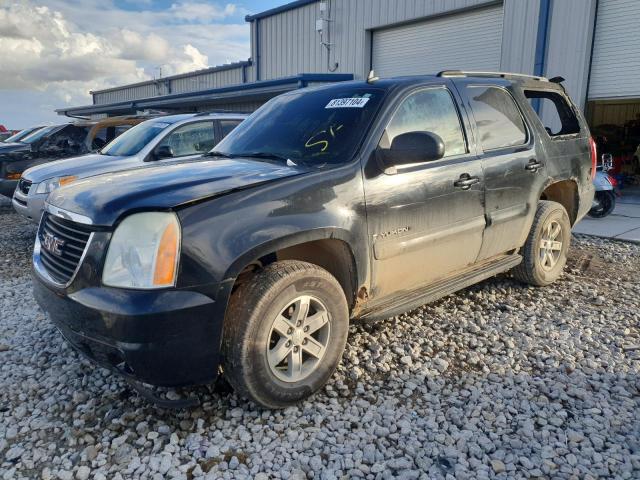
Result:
pixel 545 251
pixel 285 332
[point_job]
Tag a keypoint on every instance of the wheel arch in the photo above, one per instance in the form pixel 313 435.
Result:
pixel 329 248
pixel 566 193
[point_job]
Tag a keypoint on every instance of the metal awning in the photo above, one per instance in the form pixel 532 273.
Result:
pixel 262 90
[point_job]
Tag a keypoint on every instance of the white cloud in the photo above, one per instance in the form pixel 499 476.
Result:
pixel 69 47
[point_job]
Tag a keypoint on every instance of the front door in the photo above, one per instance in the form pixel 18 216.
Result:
pixel 425 220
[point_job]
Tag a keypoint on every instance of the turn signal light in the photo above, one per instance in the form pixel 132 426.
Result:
pixel 67 180
pixel 167 254
pixel 13 176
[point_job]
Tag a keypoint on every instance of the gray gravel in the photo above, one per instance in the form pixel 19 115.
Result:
pixel 498 381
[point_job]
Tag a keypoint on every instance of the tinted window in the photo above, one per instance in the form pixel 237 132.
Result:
pixel 135 139
pixel 21 134
pixel 316 127
pixel 227 125
pixel 38 134
pixel 190 139
pixel 499 121
pixel 554 112
pixel 431 110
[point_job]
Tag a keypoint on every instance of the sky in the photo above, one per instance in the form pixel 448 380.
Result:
pixel 53 52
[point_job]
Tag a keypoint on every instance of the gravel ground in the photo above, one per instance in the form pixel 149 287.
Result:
pixel 498 381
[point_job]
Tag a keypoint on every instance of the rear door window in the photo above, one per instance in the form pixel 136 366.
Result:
pixel 226 126
pixel 429 110
pixel 190 139
pixel 554 112
pixel 499 121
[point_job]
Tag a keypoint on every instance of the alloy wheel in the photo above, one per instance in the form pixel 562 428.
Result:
pixel 298 339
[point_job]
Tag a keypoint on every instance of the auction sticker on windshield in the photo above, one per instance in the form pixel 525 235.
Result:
pixel 355 102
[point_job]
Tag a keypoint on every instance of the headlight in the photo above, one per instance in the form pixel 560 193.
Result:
pixel 51 184
pixel 144 252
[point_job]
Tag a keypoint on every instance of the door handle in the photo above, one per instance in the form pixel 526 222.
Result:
pixel 533 165
pixel 466 181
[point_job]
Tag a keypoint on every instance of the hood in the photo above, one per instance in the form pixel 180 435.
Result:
pixel 105 198
pixel 81 167
pixel 6 149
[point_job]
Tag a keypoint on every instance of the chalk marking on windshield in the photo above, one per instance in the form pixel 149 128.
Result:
pixel 325 143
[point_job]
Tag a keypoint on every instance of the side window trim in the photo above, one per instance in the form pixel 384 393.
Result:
pixel 463 130
pixel 509 148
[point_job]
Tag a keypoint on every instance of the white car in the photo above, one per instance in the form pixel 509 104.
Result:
pixel 158 139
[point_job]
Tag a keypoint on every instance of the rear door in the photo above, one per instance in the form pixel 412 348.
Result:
pixel 514 170
pixel 425 219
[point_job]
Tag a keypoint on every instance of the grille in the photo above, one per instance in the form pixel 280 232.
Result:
pixel 67 241
pixel 24 186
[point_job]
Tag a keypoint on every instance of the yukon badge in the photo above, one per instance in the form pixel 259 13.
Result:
pixel 52 244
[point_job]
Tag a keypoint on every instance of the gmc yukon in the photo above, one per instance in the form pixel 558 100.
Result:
pixel 359 200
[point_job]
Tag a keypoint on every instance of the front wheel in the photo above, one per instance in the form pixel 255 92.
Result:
pixel 605 202
pixel 544 254
pixel 285 332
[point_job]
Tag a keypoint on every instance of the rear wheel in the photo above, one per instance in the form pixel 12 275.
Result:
pixel 605 202
pixel 285 332
pixel 545 251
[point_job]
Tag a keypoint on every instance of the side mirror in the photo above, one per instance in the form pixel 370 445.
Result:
pixel 163 151
pixel 413 147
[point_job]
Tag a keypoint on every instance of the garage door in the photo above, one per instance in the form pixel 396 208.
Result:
pixel 615 68
pixel 466 41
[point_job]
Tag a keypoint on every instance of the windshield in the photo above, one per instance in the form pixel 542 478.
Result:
pixel 16 137
pixel 38 134
pixel 317 127
pixel 134 139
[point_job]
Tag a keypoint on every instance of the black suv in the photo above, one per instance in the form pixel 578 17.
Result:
pixel 352 201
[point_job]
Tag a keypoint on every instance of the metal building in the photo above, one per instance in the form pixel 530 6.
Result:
pixel 593 44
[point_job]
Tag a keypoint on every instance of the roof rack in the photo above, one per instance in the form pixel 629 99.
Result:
pixel 461 73
pixel 210 112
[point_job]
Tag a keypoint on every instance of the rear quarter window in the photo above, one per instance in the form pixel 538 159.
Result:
pixel 554 112
pixel 500 123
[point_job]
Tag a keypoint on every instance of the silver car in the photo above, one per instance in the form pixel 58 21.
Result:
pixel 159 139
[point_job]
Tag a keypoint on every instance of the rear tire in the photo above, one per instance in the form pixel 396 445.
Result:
pixel 285 332
pixel 545 251
pixel 606 204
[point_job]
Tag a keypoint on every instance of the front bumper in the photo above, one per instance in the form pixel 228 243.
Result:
pixel 29 206
pixel 163 338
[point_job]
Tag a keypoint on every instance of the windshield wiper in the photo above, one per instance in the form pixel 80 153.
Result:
pixel 216 153
pixel 267 155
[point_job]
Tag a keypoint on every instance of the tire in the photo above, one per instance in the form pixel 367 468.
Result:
pixel 537 268
pixel 252 336
pixel 606 204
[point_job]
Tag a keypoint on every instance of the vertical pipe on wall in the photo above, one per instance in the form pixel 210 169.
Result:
pixel 257 20
pixel 588 110
pixel 541 44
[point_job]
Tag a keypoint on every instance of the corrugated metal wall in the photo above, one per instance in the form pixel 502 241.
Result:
pixel 467 41
pixel 616 113
pixel 187 83
pixel 616 57
pixel 569 46
pixel 289 43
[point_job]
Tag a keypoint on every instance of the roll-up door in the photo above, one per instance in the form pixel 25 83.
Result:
pixel 468 41
pixel 615 67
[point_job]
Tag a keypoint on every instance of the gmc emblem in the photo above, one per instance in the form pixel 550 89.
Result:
pixel 52 244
